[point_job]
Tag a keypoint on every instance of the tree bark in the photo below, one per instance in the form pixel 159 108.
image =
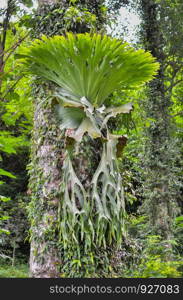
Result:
pixel 44 187
pixel 46 174
pixel 159 203
pixel 5 25
pixel 48 2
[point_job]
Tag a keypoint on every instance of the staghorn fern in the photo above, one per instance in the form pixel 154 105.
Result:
pixel 87 70
pixel 90 66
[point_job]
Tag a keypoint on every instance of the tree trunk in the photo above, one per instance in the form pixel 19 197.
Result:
pixel 46 2
pixel 44 186
pixel 46 167
pixel 4 25
pixel 159 197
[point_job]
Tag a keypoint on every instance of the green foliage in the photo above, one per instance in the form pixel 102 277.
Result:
pixel 18 271
pixel 16 102
pixel 15 125
pixel 88 69
pixel 78 64
pixel 10 143
pixel 162 157
pixel 83 213
pixel 15 224
pixel 178 233
pixel 5 173
pixel 153 262
pixel 147 255
pixel 154 267
pixel 27 3
pixel 75 15
pixel 68 16
pixel 3 217
pixel 179 221
pixel 95 221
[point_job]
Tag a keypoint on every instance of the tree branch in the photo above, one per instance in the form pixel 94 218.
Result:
pixel 13 48
pixel 12 87
pixel 173 84
pixel 178 114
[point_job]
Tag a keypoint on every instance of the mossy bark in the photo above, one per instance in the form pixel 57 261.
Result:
pixel 159 203
pixel 45 171
pixel 47 158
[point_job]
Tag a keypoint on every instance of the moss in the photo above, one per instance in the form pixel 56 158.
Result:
pixel 18 271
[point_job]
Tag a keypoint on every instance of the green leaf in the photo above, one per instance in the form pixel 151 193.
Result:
pixel 89 66
pixel 4 199
pixel 179 219
pixel 114 111
pixel 89 127
pixel 4 231
pixel 6 173
pixel 70 117
pixel 19 56
pixel 28 3
pixel 123 109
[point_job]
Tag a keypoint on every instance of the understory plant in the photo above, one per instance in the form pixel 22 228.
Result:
pixel 149 256
pixel 85 71
pixel 152 261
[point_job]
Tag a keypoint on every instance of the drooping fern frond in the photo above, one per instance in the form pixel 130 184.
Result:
pixel 108 196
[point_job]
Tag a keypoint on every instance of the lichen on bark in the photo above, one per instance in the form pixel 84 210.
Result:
pixel 159 192
pixel 45 179
pixel 47 153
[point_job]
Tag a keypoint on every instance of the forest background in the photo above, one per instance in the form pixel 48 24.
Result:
pixel 150 160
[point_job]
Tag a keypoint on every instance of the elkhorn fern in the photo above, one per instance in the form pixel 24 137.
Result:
pixel 88 69
pixel 89 66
